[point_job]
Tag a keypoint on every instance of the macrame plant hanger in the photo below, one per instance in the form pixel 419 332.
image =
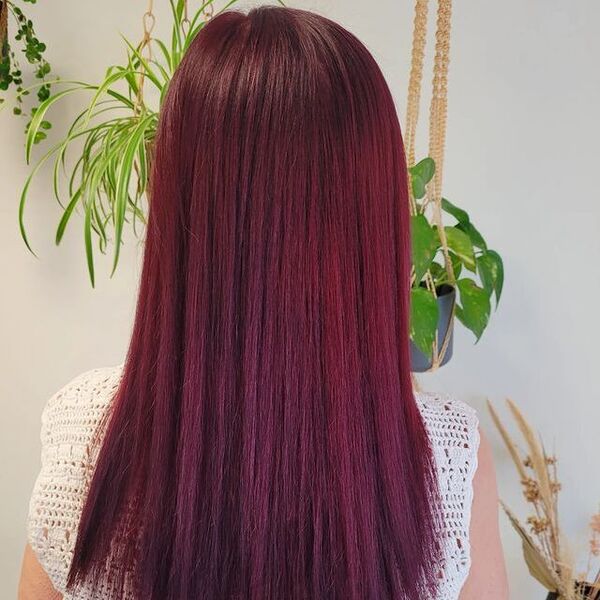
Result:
pixel 145 46
pixel 145 51
pixel 437 135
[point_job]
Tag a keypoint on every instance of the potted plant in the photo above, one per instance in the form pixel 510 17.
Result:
pixel 104 157
pixel 454 273
pixel 541 535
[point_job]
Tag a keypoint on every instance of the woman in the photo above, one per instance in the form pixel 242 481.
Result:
pixel 262 440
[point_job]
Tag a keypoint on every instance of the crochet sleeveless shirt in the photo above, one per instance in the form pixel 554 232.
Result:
pixel 72 416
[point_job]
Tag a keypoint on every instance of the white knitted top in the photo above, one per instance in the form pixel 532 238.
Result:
pixel 72 416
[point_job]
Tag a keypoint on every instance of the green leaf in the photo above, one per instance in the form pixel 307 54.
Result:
pixel 456 264
pixel 425 243
pixel 460 243
pixel 144 65
pixel 474 308
pixel 438 273
pixel 474 235
pixel 175 34
pixel 89 250
pixel 424 314
pixel 420 175
pixel 24 192
pixel 38 117
pixel 166 54
pixel 424 169
pixel 458 213
pixel 491 272
pixel 66 216
pixel 418 187
pixel 110 79
pixel 123 179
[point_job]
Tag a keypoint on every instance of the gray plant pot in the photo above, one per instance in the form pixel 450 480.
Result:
pixel 446 298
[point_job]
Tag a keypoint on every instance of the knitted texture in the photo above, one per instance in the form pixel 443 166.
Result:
pixel 78 412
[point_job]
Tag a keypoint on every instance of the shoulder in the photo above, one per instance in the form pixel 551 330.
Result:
pixel 487 575
pixel 86 391
pixel 453 429
pixel 77 408
pixel 70 420
pixel 450 422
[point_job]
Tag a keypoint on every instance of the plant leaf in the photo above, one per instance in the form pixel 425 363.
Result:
pixel 89 250
pixel 425 169
pixel 460 243
pixel 123 179
pixel 438 273
pixel 60 230
pixel 425 244
pixel 458 213
pixel 420 175
pixel 110 79
pixel 40 113
pixel 491 272
pixel 424 314
pixel 534 558
pixel 456 264
pixel 474 235
pixel 474 309
pixel 145 67
pixel 417 186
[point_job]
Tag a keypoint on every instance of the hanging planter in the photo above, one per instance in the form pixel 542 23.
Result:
pixel 101 165
pixel 459 277
pixel 454 273
pixel 445 300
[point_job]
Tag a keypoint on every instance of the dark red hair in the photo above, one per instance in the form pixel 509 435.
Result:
pixel 264 442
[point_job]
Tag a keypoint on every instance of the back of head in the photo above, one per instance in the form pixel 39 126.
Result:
pixel 265 442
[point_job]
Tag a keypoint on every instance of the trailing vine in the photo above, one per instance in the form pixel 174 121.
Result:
pixel 24 42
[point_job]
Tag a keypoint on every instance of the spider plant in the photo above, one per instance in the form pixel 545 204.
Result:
pixel 100 166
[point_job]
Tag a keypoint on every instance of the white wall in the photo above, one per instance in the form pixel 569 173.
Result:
pixel 522 157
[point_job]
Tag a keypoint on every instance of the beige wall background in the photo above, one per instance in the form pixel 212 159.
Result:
pixel 522 157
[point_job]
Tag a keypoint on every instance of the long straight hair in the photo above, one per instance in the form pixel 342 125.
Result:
pixel 264 442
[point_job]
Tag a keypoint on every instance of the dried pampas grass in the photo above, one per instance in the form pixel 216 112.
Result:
pixel 544 550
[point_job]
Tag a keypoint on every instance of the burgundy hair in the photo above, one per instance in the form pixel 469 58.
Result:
pixel 264 443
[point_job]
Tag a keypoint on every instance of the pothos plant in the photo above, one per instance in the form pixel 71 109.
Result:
pixel 104 158
pixel 477 272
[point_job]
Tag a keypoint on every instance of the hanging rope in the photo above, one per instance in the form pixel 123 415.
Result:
pixel 437 133
pixel 439 98
pixel 209 10
pixel 437 121
pixel 185 23
pixel 145 51
pixel 416 76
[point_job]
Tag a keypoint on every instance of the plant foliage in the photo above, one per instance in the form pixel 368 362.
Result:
pixel 101 165
pixel 478 271
pixel 32 49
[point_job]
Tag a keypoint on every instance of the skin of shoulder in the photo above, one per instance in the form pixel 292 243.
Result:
pixel 487 575
pixel 34 583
